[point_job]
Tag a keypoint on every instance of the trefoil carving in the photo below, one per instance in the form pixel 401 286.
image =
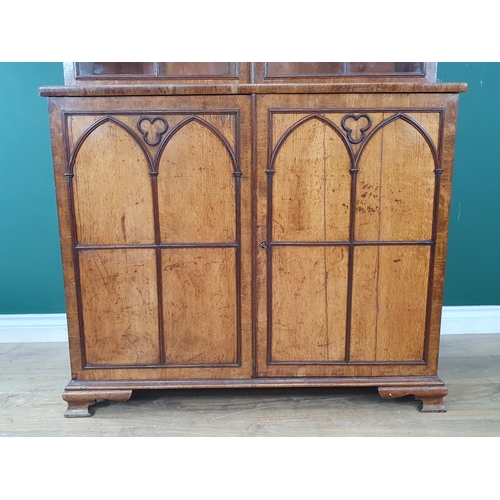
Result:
pixel 151 126
pixel 350 125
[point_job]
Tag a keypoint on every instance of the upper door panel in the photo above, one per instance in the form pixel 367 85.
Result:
pixel 105 73
pixel 327 72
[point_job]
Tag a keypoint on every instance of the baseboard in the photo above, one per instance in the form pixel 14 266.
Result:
pixel 33 328
pixel 470 319
pixel 53 327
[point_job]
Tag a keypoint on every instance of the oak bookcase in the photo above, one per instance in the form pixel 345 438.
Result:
pixel 253 225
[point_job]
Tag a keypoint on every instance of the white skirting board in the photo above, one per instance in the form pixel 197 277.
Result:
pixel 33 328
pixel 53 327
pixel 470 319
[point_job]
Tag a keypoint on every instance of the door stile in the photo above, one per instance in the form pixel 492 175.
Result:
pixel 435 213
pixel 159 269
pixel 350 270
pixel 267 245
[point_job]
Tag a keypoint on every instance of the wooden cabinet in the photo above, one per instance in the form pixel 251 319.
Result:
pixel 253 234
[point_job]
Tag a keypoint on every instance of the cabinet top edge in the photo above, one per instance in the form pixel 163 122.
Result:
pixel 228 89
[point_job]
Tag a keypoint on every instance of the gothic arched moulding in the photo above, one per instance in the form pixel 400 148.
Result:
pixel 297 124
pixel 196 170
pixel 193 118
pixel 391 119
pixel 95 126
pixel 397 188
pixel 315 149
pixel 117 181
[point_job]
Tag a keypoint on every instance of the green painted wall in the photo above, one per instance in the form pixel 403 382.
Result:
pixel 473 261
pixel 30 258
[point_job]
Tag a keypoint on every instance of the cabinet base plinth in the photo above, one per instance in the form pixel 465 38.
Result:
pixel 81 394
pixel 79 401
pixel 431 397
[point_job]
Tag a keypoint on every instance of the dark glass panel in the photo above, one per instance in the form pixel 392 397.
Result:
pixel 305 68
pixel 370 67
pixel 277 69
pixel 197 69
pixel 409 67
pixel 115 68
pixel 383 68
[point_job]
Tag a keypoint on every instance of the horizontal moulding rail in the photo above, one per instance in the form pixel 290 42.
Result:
pixel 236 245
pixel 348 243
pixel 245 88
pixel 349 363
pixel 154 246
pixel 414 381
pixel 168 365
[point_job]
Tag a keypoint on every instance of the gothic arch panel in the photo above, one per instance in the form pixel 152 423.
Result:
pixel 112 188
pixel 311 185
pixel 395 185
pixel 196 187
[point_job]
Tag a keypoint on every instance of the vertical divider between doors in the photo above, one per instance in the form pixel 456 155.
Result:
pixel 253 167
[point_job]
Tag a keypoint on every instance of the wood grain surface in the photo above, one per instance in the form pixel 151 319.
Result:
pixel 196 188
pixel 309 297
pixel 200 305
pixel 311 184
pixel 112 189
pixel 389 303
pixel 268 88
pixel 395 194
pixel 120 306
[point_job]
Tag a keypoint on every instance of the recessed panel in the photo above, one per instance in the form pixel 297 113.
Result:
pixel 309 291
pixel 200 305
pixel 311 185
pixel 196 188
pixel 389 303
pixel 112 189
pixel 120 306
pixel 395 189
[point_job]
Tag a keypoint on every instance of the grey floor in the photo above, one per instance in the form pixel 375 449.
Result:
pixel 33 376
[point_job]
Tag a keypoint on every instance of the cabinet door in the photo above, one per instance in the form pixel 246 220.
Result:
pixel 156 236
pixel 349 222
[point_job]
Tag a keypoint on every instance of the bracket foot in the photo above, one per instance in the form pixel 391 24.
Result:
pixel 79 401
pixel 431 397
